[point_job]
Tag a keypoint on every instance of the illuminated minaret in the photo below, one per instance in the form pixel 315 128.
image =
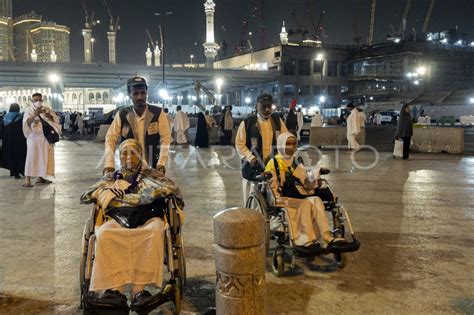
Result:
pixel 87 33
pixel 148 55
pixel 284 35
pixel 210 47
pixel 112 36
pixel 157 53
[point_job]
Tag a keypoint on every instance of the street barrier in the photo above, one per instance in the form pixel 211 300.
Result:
pixel 239 254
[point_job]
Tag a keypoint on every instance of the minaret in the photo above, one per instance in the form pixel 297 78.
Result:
pixel 157 53
pixel 34 55
pixel 112 36
pixel 210 47
pixel 87 33
pixel 284 35
pixel 148 55
pixel 53 56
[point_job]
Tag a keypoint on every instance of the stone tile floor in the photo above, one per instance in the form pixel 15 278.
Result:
pixel 414 219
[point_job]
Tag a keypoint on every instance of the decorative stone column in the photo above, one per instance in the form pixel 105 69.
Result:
pixel 239 252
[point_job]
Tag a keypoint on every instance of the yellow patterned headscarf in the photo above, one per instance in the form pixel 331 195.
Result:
pixel 131 143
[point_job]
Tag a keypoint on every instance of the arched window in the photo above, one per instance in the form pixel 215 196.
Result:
pixel 24 99
pixel 105 96
pixel 80 98
pixel 74 96
pixel 98 96
pixel 91 96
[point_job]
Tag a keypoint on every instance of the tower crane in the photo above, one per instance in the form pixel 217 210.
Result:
pixel 89 18
pixel 403 24
pixel 428 17
pixel 370 38
pixel 356 38
pixel 114 22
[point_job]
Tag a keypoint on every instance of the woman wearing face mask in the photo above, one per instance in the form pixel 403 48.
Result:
pixel 40 153
pixel 293 190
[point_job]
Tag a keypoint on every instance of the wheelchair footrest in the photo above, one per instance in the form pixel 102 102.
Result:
pixel 345 247
pixel 302 251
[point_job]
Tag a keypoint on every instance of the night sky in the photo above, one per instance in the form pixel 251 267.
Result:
pixel 185 29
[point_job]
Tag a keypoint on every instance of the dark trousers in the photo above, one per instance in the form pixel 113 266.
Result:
pixel 227 137
pixel 406 147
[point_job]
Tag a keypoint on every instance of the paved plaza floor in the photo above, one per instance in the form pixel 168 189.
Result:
pixel 415 220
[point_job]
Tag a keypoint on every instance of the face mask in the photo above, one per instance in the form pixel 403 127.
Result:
pixel 38 104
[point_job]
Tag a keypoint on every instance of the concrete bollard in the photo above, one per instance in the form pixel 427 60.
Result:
pixel 239 252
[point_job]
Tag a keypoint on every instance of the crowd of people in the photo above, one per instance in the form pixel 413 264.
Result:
pixel 265 142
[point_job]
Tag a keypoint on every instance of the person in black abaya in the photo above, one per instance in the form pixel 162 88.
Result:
pixel 202 136
pixel 14 142
pixel 405 130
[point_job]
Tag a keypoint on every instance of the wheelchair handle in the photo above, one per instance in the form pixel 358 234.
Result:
pixel 265 176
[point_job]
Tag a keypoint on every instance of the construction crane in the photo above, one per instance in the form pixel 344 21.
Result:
pixel 370 39
pixel 428 17
pixel 114 23
pixel 298 31
pixel 258 12
pixel 403 24
pixel 151 39
pixel 198 87
pixel 356 38
pixel 89 18
pixel 319 29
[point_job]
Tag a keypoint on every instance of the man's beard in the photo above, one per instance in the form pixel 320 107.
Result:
pixel 140 104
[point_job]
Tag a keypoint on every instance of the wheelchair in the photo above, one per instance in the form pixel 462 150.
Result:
pixel 173 255
pixel 277 225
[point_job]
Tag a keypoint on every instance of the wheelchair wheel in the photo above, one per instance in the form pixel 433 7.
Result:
pixel 341 260
pixel 84 286
pixel 181 262
pixel 257 203
pixel 278 262
pixel 178 293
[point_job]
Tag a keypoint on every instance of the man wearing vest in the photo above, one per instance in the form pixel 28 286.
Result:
pixel 143 122
pixel 256 141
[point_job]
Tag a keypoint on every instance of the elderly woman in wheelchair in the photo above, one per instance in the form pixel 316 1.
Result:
pixel 134 228
pixel 296 208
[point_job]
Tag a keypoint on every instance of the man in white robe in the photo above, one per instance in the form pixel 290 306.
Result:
pixel 170 122
pixel 300 120
pixel 353 128
pixel 40 153
pixel 181 124
pixel 317 120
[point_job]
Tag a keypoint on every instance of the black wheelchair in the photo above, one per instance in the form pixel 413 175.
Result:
pixel 173 256
pixel 278 228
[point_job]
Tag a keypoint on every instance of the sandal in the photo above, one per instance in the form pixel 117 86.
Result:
pixel 27 185
pixel 43 181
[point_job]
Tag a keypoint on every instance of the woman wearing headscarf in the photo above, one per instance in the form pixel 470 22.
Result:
pixel 294 191
pixel 14 142
pixel 202 136
pixel 405 130
pixel 130 231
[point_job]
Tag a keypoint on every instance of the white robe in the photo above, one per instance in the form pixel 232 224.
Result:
pixel 300 120
pixel 353 129
pixel 362 119
pixel 128 256
pixel 307 217
pixel 181 124
pixel 317 120
pixel 39 154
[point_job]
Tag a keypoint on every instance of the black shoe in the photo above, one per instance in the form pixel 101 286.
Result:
pixel 110 299
pixel 309 251
pixel 337 245
pixel 143 301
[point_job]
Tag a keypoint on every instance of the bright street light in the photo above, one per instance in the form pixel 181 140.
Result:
pixel 416 82
pixel 471 100
pixel 54 78
pixel 320 57
pixel 192 56
pixel 421 70
pixel 163 94
pixel 219 82
pixel 247 100
pixel 322 99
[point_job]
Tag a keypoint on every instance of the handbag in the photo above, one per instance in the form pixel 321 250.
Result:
pixel 51 135
pixel 398 148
